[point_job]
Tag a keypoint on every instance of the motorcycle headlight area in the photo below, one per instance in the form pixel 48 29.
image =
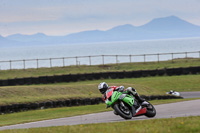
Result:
pixel 122 96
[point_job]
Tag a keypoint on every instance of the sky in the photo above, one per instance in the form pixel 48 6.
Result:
pixel 63 17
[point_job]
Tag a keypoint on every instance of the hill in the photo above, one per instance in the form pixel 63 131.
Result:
pixel 159 28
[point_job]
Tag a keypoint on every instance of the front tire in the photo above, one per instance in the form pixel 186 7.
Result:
pixel 151 111
pixel 124 112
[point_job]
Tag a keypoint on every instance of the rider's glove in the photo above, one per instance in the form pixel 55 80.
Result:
pixel 120 89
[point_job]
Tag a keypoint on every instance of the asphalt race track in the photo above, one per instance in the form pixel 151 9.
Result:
pixel 172 110
pixel 192 94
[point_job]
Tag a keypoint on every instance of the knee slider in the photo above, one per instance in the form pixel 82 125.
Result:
pixel 133 89
pixel 129 88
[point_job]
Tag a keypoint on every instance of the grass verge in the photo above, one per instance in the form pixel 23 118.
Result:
pixel 37 115
pixel 10 74
pixel 174 125
pixel 88 89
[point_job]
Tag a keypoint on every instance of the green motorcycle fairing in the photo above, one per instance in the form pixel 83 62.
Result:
pixel 121 96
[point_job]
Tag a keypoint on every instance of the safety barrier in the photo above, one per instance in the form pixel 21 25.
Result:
pixel 101 75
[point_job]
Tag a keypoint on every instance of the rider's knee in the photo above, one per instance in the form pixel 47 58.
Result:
pixel 131 89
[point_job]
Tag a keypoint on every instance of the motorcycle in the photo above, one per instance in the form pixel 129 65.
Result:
pixel 175 93
pixel 127 106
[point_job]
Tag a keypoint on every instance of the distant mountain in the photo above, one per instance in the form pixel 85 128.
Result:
pixel 171 27
pixel 35 39
pixel 6 42
pixel 159 28
pixel 27 38
pixel 168 23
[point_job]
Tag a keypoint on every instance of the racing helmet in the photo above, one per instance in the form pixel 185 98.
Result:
pixel 103 87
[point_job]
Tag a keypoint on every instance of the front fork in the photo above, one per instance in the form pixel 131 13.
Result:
pixel 133 111
pixel 132 108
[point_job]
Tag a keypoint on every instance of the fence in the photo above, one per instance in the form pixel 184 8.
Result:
pixel 93 60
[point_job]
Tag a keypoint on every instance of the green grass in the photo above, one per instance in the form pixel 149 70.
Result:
pixel 52 113
pixel 10 74
pixel 83 89
pixel 170 125
pixel 88 89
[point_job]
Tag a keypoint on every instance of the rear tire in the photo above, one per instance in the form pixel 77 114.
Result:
pixel 124 113
pixel 151 111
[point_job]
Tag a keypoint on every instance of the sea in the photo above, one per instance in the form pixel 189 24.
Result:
pixel 23 57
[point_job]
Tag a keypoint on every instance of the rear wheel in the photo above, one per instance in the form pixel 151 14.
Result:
pixel 151 111
pixel 123 111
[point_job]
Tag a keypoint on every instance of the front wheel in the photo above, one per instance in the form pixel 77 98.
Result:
pixel 151 111
pixel 123 111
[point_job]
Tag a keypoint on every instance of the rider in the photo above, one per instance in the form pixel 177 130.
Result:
pixel 103 87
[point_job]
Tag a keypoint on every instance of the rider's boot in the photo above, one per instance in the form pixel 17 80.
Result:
pixel 140 100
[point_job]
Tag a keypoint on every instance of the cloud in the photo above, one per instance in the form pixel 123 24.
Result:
pixel 67 16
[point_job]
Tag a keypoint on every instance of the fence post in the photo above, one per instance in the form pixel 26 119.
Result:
pixel 63 62
pixel 10 64
pixel 144 58
pixel 37 63
pixel 50 63
pixel 116 59
pixel 24 64
pixel 130 58
pixel 90 60
pixel 186 55
pixel 172 57
pixel 158 58
pixel 103 59
pixel 76 61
